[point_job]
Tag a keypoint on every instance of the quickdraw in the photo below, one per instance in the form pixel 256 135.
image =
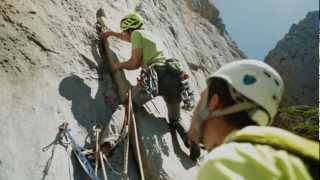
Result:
pixel 187 94
pixel 149 81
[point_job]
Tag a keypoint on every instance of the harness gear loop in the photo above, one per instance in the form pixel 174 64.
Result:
pixel 148 79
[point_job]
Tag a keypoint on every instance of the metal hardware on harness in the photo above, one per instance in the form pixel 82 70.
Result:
pixel 187 96
pixel 149 81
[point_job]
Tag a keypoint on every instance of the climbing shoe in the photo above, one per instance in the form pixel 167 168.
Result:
pixel 194 151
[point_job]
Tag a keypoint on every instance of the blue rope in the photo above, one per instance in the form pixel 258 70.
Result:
pixel 82 158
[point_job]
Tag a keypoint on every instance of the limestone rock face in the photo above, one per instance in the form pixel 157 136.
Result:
pixel 51 72
pixel 296 58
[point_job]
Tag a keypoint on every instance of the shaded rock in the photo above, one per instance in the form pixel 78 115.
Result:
pixel 296 58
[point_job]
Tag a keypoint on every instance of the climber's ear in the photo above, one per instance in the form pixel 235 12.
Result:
pixel 214 103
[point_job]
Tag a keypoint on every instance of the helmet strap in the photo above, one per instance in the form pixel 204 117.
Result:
pixel 233 109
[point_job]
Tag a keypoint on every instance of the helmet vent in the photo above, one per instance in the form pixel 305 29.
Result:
pixel 277 82
pixel 267 74
pixel 135 23
pixel 249 79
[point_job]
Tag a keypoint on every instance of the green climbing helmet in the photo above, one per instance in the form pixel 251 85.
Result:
pixel 131 21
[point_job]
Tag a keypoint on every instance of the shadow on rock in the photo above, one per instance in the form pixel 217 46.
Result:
pixel 86 110
pixel 153 131
pixel 79 173
pixel 184 158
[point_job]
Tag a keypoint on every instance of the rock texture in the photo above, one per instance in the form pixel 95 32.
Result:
pixel 51 72
pixel 296 57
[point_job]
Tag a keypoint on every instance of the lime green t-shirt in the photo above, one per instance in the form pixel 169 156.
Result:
pixel 150 50
pixel 245 161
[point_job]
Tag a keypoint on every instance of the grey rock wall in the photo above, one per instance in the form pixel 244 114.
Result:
pixel 296 58
pixel 51 72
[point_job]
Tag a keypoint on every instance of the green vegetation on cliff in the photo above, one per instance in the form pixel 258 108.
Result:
pixel 302 120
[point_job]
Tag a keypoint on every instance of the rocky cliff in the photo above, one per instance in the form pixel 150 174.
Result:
pixel 51 72
pixel 296 58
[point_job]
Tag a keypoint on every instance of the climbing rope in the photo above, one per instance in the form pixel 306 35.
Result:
pixel 127 140
pixel 129 123
pixel 136 140
pixel 98 154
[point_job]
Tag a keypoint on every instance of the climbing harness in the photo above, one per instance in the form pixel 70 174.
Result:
pixel 149 81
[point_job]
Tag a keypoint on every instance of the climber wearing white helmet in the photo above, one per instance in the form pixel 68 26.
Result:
pixel 241 97
pixel 159 75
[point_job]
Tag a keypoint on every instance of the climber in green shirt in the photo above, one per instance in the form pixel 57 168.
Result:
pixel 240 99
pixel 159 76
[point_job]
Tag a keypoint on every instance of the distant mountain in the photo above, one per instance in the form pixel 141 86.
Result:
pixel 296 57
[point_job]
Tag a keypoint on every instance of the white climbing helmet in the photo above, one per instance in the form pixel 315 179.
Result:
pixel 255 86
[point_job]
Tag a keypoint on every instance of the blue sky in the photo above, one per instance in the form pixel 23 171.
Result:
pixel 257 25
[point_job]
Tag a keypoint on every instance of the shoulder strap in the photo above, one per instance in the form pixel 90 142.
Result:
pixel 279 139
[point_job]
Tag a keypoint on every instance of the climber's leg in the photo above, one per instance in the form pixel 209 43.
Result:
pixel 139 97
pixel 111 134
pixel 175 124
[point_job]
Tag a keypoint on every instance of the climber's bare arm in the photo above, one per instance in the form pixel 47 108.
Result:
pixel 123 36
pixel 133 63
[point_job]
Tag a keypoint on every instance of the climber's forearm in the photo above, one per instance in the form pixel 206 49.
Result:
pixel 129 65
pixel 123 36
pixel 133 63
pixel 118 35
